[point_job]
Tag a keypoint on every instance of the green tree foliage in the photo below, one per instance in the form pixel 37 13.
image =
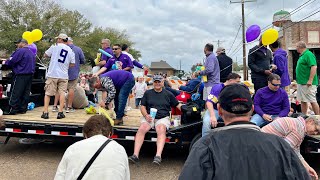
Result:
pixel 18 16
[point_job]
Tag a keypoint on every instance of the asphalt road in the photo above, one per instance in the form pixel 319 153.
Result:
pixel 40 161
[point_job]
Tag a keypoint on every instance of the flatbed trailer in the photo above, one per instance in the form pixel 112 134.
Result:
pixel 31 125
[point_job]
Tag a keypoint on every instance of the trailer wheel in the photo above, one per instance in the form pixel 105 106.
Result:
pixel 194 140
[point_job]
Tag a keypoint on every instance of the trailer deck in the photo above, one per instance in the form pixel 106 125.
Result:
pixel 79 117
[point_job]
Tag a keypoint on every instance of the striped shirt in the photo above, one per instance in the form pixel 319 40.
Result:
pixel 292 130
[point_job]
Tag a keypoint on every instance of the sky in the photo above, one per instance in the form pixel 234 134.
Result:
pixel 177 31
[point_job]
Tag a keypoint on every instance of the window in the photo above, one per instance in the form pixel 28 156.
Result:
pixel 313 37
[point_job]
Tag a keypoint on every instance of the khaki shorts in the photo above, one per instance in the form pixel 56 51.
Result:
pixel 54 84
pixel 165 121
pixel 306 94
pixel 72 84
pixel 206 92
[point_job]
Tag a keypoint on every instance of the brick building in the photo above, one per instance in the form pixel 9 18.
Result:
pixel 292 32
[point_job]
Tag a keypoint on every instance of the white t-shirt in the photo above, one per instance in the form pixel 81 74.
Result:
pixel 61 56
pixel 139 89
pixel 130 56
pixel 111 163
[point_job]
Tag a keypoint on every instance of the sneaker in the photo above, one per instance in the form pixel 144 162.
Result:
pixel 54 108
pixel 60 115
pixel 45 115
pixel 70 109
pixel 134 159
pixel 157 160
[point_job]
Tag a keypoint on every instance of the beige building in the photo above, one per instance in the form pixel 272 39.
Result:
pixel 162 67
pixel 292 32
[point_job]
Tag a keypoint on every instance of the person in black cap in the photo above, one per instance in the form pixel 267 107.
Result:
pixel 240 150
pixel 22 62
pixel 160 101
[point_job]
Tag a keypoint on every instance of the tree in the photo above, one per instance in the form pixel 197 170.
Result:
pixel 18 16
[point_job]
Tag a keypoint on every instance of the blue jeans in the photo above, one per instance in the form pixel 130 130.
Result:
pixel 137 102
pixel 206 125
pixel 259 121
pixel 121 98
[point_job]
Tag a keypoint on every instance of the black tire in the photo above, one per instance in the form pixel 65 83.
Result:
pixel 194 140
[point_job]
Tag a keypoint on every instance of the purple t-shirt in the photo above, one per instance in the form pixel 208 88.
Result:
pixel 271 102
pixel 214 94
pixel 125 59
pixel 22 61
pixel 73 72
pixel 104 57
pixel 118 77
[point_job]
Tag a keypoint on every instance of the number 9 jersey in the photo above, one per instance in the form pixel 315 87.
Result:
pixel 61 57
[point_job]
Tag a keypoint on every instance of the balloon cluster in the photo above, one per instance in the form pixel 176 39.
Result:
pixel 268 37
pixel 33 36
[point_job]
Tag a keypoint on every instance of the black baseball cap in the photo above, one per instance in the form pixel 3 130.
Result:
pixel 233 95
pixel 21 40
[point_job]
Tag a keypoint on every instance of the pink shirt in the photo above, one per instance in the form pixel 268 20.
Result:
pixel 292 130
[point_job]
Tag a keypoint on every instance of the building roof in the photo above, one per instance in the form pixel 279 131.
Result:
pixel 160 65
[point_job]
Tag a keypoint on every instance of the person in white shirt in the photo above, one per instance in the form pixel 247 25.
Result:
pixel 111 163
pixel 62 57
pixel 138 89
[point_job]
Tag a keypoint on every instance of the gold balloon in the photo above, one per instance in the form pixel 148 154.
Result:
pixel 269 36
pixel 27 36
pixel 36 35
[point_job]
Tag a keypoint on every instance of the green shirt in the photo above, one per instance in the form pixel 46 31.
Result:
pixel 304 64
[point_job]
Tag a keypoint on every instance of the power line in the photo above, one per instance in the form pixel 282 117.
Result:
pixel 235 38
pixel 299 8
pixel 292 24
pixel 292 12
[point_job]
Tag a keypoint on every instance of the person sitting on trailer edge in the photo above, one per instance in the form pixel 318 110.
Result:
pixel 240 150
pixel 111 163
pixel 162 100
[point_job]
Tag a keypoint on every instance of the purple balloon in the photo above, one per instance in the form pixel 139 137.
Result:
pixel 253 33
pixel 33 48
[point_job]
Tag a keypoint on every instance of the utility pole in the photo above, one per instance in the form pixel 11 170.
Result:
pixel 218 42
pixel 245 70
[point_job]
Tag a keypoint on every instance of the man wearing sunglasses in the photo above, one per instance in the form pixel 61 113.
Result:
pixel 270 102
pixel 293 131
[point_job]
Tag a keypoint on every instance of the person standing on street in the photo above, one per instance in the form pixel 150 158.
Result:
pixel 212 70
pixel 111 163
pixel 139 89
pixel 23 63
pixel 225 64
pixel 307 79
pixel 240 150
pixel 281 61
pixel 259 61
pixel 62 57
